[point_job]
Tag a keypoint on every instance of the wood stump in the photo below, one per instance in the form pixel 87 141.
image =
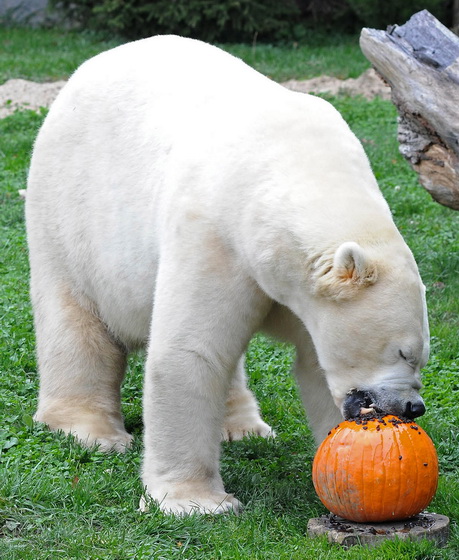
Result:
pixel 430 526
pixel 420 61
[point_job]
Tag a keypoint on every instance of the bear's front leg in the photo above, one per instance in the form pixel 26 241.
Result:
pixel 318 402
pixel 183 406
pixel 202 322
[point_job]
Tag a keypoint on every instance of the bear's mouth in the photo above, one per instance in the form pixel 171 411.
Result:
pixel 358 403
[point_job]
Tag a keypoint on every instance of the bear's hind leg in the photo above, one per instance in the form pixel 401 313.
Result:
pixel 242 411
pixel 81 369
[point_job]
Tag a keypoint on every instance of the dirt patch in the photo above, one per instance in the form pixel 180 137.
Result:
pixel 368 84
pixel 22 94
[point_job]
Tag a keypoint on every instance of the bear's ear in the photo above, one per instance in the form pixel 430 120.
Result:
pixel 350 270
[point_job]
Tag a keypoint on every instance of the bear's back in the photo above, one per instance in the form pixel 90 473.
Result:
pixel 166 68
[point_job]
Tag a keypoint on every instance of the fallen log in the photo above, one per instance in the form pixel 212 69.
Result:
pixel 420 62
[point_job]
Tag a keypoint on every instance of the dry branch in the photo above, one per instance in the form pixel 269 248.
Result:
pixel 420 61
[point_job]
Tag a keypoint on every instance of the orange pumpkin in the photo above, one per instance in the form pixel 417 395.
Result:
pixel 376 469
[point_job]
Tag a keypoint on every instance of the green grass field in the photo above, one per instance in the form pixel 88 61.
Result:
pixel 53 55
pixel 60 501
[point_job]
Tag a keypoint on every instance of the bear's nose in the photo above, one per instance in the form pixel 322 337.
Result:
pixel 413 410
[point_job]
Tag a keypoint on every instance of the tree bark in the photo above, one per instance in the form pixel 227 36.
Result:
pixel 420 61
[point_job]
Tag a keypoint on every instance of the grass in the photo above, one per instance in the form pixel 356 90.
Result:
pixel 28 55
pixel 46 55
pixel 301 62
pixel 60 501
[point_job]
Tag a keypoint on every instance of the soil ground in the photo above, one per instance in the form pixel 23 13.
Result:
pixel 22 94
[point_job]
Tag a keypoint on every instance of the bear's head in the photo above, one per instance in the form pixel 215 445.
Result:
pixel 369 326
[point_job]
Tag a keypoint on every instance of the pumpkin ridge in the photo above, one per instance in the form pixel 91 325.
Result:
pixel 407 496
pixel 415 452
pixel 347 468
pixel 330 481
pixel 385 473
pixel 400 469
pixel 364 473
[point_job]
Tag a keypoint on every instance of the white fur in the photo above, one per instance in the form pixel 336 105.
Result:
pixel 179 200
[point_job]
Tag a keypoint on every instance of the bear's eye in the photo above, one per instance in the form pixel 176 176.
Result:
pixel 408 359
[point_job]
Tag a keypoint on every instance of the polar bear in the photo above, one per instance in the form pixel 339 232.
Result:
pixel 180 201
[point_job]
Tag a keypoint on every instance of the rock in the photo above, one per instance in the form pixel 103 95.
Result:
pixel 24 12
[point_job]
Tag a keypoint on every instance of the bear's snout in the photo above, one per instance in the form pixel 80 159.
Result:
pixel 359 402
